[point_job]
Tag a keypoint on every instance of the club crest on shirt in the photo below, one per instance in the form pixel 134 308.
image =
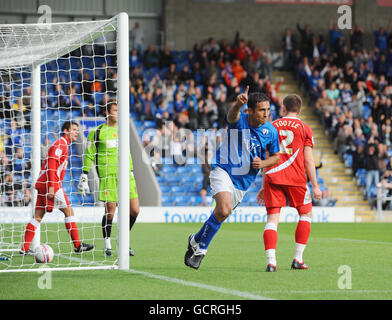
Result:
pixel 58 152
pixel 265 131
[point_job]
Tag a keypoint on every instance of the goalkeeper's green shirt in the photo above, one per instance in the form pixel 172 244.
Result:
pixel 102 148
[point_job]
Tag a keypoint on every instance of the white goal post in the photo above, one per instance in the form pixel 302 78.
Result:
pixel 25 52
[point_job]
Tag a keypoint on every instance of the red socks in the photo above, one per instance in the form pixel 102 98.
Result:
pixel 73 231
pixel 270 236
pixel 29 234
pixel 303 230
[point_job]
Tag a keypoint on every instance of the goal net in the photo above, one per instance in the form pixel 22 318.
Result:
pixel 50 74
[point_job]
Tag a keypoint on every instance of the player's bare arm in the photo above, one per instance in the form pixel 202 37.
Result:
pixel 272 160
pixel 260 195
pixel 234 113
pixel 311 171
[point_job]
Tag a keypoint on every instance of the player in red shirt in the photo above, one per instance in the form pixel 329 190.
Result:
pixel 50 190
pixel 287 181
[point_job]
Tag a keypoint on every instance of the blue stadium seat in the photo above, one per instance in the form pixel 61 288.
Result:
pixel 180 200
pixel 165 189
pixel 149 124
pixel 183 170
pixel 195 200
pixel 187 179
pixel 168 169
pixel 166 200
pixel 88 200
pixel 177 190
pixel 75 199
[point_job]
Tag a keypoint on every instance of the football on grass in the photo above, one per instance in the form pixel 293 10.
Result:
pixel 43 254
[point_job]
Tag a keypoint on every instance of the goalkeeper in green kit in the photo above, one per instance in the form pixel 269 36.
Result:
pixel 102 148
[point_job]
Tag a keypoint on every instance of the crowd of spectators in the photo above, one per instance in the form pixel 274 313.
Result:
pixel 350 88
pixel 348 85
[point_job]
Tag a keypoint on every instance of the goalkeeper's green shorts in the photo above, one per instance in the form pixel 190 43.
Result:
pixel 108 188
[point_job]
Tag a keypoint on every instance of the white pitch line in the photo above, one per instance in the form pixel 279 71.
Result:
pixel 359 240
pixel 344 291
pixel 236 293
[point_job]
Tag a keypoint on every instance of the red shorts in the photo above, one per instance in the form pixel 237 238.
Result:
pixel 276 196
pixel 60 200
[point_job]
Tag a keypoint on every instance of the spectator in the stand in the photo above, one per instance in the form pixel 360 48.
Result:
pixel 171 74
pixel 178 104
pixel 333 92
pixel 165 57
pixel 185 75
pixel 134 59
pixel 137 39
pixel 151 57
pixel 240 51
pixel 359 159
pixel 288 45
pixel 386 183
pixel 213 49
pixel 306 39
pixel 381 36
pixel 26 198
pixel 223 108
pixel 356 107
pixel 149 107
pixel 372 169
pixel 343 140
pixel 204 119
pixel 356 38
pixel 334 36
pixel 346 94
pixel 84 78
pixel 323 103
pixel 192 113
pixel 382 154
pixel 6 111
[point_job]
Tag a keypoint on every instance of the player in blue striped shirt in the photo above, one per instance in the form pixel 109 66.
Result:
pixel 235 166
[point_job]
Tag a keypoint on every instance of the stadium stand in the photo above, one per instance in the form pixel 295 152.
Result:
pixel 348 87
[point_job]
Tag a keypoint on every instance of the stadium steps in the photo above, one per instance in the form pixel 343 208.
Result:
pixel 336 176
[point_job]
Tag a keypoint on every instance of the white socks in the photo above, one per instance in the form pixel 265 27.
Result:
pixel 299 250
pixel 271 257
pixel 193 242
pixel 107 243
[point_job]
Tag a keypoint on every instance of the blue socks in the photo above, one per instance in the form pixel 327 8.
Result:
pixel 207 232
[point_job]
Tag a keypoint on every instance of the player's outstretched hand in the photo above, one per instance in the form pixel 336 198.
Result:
pixel 316 193
pixel 243 97
pixel 83 187
pixel 260 197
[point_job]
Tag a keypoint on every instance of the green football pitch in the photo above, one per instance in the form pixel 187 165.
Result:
pixel 347 261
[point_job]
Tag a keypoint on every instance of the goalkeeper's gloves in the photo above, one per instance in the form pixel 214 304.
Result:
pixel 83 184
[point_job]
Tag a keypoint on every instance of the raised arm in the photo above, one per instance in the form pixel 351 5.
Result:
pixel 234 113
pixel 373 25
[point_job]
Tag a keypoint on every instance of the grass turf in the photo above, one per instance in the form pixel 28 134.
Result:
pixel 234 267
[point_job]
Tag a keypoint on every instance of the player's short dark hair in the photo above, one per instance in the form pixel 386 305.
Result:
pixel 67 125
pixel 293 103
pixel 110 104
pixel 256 97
